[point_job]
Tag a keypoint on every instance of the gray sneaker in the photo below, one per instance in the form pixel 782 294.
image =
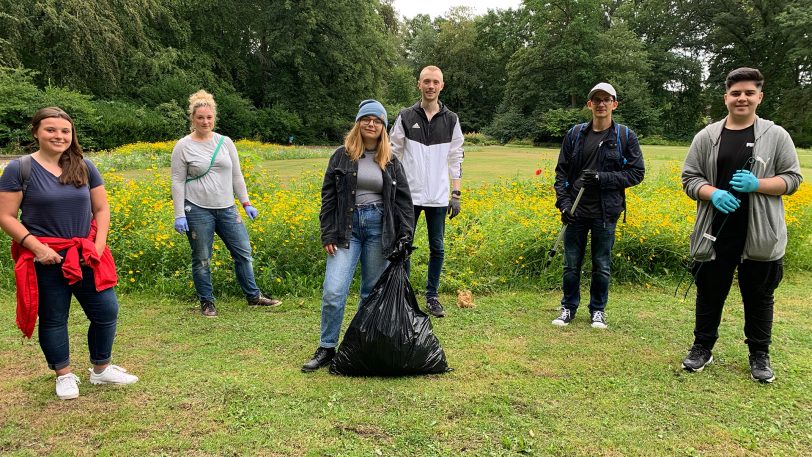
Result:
pixel 698 357
pixel 760 369
pixel 434 307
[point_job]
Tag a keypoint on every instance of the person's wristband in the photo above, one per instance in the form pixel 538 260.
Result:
pixel 246 204
pixel 455 193
pixel 22 240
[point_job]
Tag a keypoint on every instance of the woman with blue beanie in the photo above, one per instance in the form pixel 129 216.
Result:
pixel 366 214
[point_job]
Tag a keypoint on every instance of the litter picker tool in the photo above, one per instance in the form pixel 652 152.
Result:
pixel 554 250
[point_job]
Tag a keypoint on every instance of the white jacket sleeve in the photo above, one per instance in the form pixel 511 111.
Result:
pixel 397 138
pixel 456 153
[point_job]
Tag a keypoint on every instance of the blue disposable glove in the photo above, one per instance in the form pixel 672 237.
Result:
pixel 251 212
pixel 724 201
pixel 744 181
pixel 181 225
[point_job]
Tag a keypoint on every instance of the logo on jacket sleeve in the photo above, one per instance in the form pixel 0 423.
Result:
pixel 415 126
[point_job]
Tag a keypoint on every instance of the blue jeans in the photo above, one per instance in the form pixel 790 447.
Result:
pixel 366 245
pixel 435 224
pixel 101 309
pixel 575 238
pixel 227 224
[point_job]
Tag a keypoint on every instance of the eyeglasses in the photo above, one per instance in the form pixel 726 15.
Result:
pixel 606 100
pixel 370 120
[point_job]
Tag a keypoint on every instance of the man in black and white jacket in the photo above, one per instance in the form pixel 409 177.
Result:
pixel 427 139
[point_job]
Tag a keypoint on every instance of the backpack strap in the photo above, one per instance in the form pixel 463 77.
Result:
pixel 581 128
pixel 25 171
pixel 622 145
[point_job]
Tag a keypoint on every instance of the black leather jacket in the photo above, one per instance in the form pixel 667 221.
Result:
pixel 338 202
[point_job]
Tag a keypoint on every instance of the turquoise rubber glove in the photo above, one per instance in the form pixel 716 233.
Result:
pixel 744 181
pixel 724 201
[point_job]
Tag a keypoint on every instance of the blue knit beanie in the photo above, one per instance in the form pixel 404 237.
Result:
pixel 372 108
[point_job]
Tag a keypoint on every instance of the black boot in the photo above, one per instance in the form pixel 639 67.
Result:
pixel 321 357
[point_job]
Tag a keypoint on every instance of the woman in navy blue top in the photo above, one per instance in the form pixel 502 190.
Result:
pixel 64 201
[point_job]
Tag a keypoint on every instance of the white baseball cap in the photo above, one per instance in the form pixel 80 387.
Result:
pixel 606 87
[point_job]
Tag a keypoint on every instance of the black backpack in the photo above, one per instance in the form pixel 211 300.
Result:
pixel 25 171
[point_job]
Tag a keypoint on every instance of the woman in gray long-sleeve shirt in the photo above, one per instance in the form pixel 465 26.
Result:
pixel 206 176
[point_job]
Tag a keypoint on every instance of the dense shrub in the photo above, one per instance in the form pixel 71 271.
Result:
pixel 479 139
pixel 510 125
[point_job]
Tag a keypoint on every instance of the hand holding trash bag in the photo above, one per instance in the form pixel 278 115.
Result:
pixel 403 248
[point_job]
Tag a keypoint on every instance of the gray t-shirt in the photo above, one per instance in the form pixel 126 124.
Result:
pixel 50 208
pixel 216 189
pixel 370 180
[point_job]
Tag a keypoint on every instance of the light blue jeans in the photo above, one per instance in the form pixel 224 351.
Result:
pixel 227 223
pixel 366 246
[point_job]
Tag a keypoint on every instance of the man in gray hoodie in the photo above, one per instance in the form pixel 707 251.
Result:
pixel 737 169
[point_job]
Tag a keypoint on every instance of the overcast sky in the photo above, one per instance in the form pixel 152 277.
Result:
pixel 411 8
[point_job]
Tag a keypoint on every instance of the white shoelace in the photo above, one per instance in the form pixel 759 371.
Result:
pixel 70 376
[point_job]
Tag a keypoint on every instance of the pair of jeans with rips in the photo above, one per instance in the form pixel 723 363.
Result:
pixel 757 284
pixel 228 225
pixel 435 225
pixel 101 309
pixel 575 239
pixel 366 246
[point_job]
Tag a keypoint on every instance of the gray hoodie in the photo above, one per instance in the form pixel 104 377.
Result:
pixel 774 155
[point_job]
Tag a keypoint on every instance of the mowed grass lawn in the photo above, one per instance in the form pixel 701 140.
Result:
pixel 491 163
pixel 232 385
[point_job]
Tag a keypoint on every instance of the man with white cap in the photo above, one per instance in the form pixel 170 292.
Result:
pixel 603 158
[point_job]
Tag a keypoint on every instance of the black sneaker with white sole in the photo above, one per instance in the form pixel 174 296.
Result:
pixel 564 319
pixel 698 358
pixel 760 369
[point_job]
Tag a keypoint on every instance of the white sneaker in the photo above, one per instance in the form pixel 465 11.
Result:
pixel 113 374
pixel 67 387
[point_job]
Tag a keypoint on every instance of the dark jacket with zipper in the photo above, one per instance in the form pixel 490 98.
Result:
pixel 620 165
pixel 338 202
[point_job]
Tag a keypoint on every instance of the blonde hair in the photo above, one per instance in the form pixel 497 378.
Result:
pixel 431 68
pixel 199 99
pixel 354 144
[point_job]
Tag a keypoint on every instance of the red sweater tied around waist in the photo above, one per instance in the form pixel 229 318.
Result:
pixel 25 273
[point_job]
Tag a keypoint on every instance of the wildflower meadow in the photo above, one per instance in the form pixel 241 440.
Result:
pixel 499 241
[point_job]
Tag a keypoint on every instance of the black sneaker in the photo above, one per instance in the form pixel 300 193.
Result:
pixel 261 300
pixel 434 307
pixel 599 319
pixel 760 369
pixel 207 308
pixel 697 358
pixel 322 357
pixel 564 319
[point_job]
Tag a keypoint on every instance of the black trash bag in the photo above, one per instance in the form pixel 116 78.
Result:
pixel 390 335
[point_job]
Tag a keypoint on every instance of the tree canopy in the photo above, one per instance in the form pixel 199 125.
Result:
pixel 285 69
